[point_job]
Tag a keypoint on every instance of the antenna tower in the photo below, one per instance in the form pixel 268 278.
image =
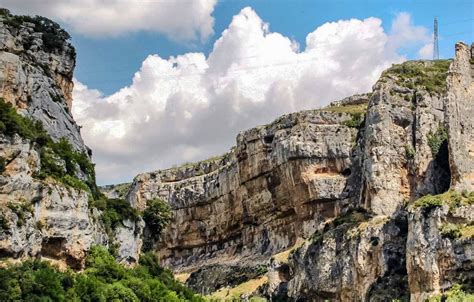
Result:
pixel 435 40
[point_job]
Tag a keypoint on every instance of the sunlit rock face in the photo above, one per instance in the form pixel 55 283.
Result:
pixel 37 78
pixel 347 191
pixel 279 183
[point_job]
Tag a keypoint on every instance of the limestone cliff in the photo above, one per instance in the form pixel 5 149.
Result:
pixel 48 196
pixel 347 179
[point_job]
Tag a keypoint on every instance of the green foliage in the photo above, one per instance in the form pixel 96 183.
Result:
pixel 22 210
pixel 4 224
pixel 455 294
pixel 13 123
pixel 451 198
pixel 53 35
pixel 427 75
pixel 59 160
pixel 356 121
pixel 102 280
pixel 3 164
pixel 437 139
pixel 156 216
pixel 410 152
pixel 115 212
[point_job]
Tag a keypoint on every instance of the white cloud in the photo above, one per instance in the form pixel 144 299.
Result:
pixel 426 52
pixel 178 19
pixel 190 107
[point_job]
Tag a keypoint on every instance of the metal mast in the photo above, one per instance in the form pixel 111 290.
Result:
pixel 435 40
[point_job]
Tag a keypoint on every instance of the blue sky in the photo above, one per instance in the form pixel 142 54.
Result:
pixel 160 83
pixel 109 64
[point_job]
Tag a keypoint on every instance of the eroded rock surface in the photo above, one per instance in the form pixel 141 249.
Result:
pixel 280 182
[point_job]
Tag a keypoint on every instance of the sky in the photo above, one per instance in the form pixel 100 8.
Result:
pixel 163 82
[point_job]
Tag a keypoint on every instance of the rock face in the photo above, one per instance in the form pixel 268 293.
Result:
pixel 344 184
pixel 280 182
pixel 44 216
pixel 38 80
pixel 437 261
pixel 459 113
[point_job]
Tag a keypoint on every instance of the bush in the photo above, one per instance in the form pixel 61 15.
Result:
pixel 455 294
pixel 59 160
pixel 102 280
pixel 156 216
pixel 451 198
pixel 54 37
pixel 437 139
pixel 116 211
pixel 410 152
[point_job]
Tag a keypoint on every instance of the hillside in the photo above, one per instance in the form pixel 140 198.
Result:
pixel 368 199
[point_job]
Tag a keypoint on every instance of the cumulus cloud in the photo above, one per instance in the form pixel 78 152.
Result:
pixel 189 107
pixel 178 19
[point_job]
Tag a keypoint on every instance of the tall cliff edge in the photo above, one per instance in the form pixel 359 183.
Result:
pixel 342 189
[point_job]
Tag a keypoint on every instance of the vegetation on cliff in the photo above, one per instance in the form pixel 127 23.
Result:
pixel 451 198
pixel 59 160
pixel 102 280
pixel 429 75
pixel 53 36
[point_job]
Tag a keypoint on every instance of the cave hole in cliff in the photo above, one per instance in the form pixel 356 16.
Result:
pixel 53 247
pixel 443 172
pixel 268 139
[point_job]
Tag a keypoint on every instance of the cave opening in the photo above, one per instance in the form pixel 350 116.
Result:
pixel 443 171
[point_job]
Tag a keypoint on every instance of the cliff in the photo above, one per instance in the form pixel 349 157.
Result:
pixel 50 206
pixel 330 201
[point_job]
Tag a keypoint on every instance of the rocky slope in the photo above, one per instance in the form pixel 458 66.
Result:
pixel 347 179
pixel 47 182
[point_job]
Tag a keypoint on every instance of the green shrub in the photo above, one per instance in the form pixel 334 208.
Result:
pixel 102 280
pixel 59 160
pixel 4 224
pixel 22 210
pixel 356 121
pixel 451 198
pixel 455 294
pixel 156 216
pixel 53 35
pixel 410 152
pixel 437 139
pixel 116 211
pixel 450 230
pixel 429 201
pixel 427 75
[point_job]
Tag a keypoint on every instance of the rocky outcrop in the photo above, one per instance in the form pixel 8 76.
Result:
pixel 398 163
pixel 42 218
pixel 459 113
pixel 36 70
pixel 43 214
pixel 338 179
pixel 280 182
pixel 437 256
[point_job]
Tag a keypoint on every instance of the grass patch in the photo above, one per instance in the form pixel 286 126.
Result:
pixel 437 139
pixel 22 210
pixel 102 280
pixel 430 76
pixel 234 294
pixel 455 294
pixel 59 160
pixel 457 231
pixel 357 113
pixel 451 198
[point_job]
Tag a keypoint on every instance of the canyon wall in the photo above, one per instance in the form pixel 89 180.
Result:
pixel 348 180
